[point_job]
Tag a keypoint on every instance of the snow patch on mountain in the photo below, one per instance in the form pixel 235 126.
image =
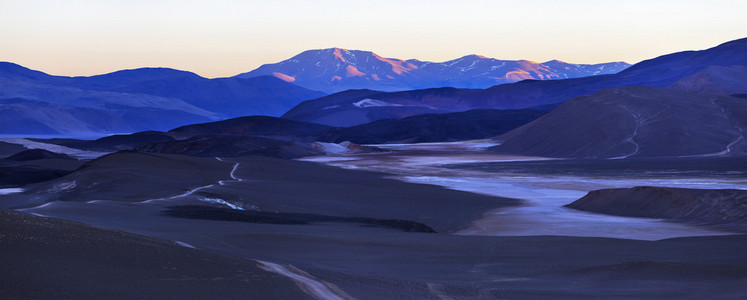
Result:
pixel 330 148
pixel 352 71
pixel 286 78
pixel 8 191
pixel 373 103
pixel 221 202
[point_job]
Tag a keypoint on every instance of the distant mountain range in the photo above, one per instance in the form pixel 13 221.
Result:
pixel 351 108
pixel 686 104
pixel 32 102
pixel 334 70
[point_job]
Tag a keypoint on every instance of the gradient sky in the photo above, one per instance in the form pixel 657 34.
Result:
pixel 223 38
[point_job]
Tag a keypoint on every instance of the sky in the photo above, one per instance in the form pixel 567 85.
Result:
pixel 222 38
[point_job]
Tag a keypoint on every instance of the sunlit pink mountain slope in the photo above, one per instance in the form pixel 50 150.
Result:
pixel 333 70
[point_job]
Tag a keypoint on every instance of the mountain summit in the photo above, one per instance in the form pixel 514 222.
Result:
pixel 335 69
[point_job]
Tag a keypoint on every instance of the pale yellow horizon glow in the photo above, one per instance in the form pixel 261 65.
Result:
pixel 225 38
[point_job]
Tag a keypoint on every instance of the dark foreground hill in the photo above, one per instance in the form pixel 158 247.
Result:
pixel 8 149
pixel 659 72
pixel 635 122
pixel 37 154
pixel 45 258
pixel 722 208
pixel 111 143
pixel 138 193
pixel 267 184
pixel 35 165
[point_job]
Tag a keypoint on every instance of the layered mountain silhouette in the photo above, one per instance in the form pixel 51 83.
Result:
pixel 347 109
pixel 232 146
pixel 284 138
pixel 254 125
pixel 133 100
pixel 113 142
pixel 458 126
pixel 474 124
pixel 334 70
pixel 252 135
pixel 636 121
